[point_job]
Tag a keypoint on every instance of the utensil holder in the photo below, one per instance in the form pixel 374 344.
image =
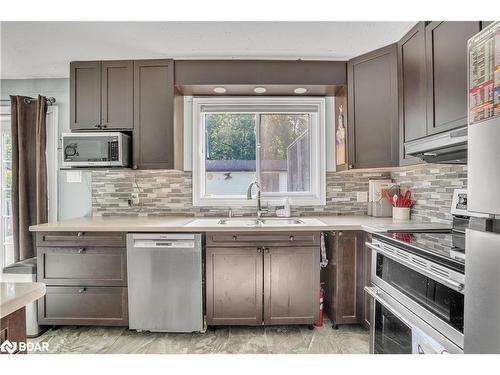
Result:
pixel 401 213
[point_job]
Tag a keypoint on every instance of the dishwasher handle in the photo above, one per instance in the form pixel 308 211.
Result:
pixel 144 243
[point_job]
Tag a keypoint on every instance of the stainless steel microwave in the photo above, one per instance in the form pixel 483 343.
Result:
pixel 97 149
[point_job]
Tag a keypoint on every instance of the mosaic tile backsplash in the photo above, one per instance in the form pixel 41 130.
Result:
pixel 166 192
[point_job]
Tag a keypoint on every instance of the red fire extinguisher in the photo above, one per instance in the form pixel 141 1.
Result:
pixel 321 296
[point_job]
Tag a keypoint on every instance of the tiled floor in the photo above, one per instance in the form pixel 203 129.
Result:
pixel 242 340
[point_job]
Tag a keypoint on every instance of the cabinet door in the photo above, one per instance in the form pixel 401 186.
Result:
pixel 117 95
pixel 373 109
pixel 412 89
pixel 154 114
pixel 85 95
pixel 13 328
pixel 291 285
pixel 348 306
pixel 234 286
pixel 446 56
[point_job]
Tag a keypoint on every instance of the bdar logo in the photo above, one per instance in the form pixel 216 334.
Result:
pixel 8 347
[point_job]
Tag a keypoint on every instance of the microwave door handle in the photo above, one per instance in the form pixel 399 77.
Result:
pixel 433 275
pixel 373 292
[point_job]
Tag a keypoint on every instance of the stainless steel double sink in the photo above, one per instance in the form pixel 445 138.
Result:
pixel 259 221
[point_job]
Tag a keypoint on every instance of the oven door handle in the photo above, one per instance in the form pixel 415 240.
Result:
pixel 373 292
pixel 459 287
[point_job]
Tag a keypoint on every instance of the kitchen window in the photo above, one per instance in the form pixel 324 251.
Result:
pixel 279 142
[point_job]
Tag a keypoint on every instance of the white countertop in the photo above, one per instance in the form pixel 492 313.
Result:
pixel 14 296
pixel 205 224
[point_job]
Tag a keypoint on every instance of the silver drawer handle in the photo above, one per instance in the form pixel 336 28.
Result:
pixel 81 250
pixel 82 290
pixel 432 274
pixel 373 292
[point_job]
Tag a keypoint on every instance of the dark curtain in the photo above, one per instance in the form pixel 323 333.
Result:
pixel 29 171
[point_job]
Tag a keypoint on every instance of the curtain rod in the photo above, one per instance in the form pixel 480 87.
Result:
pixel 50 100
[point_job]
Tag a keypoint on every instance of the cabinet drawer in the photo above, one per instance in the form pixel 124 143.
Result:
pixel 81 239
pixel 264 238
pixel 84 306
pixel 82 266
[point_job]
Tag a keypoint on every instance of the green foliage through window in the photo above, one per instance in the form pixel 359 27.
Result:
pixel 230 136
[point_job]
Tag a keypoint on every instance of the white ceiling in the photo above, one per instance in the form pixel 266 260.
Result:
pixel 44 49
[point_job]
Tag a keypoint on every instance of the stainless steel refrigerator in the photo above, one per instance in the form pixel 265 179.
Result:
pixel 482 263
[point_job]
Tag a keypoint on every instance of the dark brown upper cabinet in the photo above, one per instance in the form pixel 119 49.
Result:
pixel 446 59
pixel 117 95
pixel 85 95
pixel 373 109
pixel 412 89
pixel 153 134
pixel 101 95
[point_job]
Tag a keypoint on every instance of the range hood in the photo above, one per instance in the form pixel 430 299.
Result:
pixel 445 148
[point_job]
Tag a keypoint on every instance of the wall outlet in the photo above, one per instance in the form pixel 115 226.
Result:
pixel 133 200
pixel 362 196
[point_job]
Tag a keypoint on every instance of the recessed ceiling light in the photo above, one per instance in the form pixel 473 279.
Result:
pixel 300 90
pixel 259 90
pixel 219 90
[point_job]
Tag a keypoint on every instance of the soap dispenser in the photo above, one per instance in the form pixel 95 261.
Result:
pixel 287 211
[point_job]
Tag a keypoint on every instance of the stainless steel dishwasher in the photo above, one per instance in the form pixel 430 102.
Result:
pixel 165 282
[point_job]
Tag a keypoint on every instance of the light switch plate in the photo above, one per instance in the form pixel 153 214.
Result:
pixel 362 196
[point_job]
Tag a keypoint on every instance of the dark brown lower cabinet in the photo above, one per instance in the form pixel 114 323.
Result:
pixel 262 282
pixel 13 328
pixel 86 278
pixel 234 286
pixel 291 285
pixel 343 278
pixel 83 266
pixel 100 306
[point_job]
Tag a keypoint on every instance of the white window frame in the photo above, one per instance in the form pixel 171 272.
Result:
pixel 52 167
pixel 315 106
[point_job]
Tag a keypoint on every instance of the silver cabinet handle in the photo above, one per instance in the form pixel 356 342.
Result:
pixel 259 250
pixel 82 290
pixel 292 238
pixel 433 275
pixel 81 250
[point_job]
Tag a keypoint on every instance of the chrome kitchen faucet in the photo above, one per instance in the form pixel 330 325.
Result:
pixel 260 210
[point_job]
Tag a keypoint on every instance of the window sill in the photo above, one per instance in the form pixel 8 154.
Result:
pixel 243 202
